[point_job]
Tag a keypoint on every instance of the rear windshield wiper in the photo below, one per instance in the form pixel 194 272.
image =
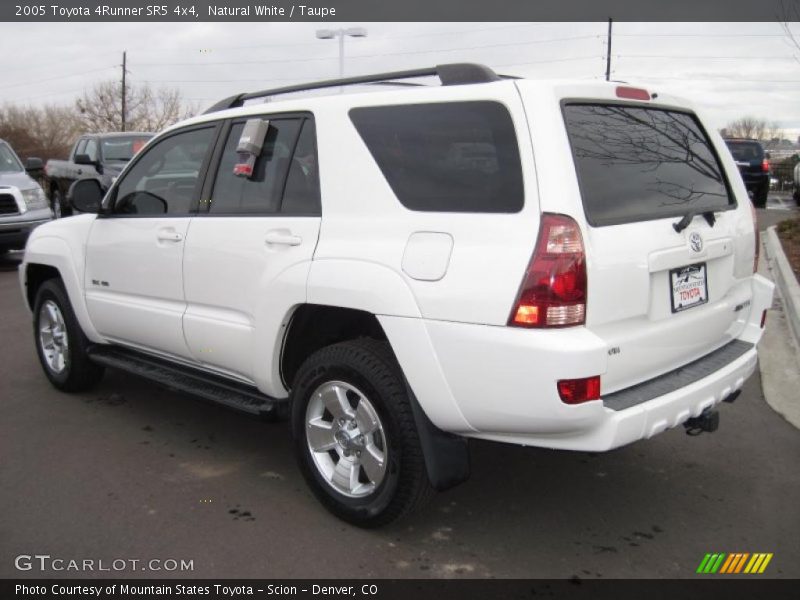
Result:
pixel 689 217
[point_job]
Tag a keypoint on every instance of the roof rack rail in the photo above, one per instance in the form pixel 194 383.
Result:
pixel 449 74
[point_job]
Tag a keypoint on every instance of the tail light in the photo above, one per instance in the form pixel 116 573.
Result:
pixel 575 391
pixel 765 166
pixel 757 236
pixel 553 292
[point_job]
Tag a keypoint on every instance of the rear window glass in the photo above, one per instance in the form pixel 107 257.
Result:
pixel 453 157
pixel 746 151
pixel 638 164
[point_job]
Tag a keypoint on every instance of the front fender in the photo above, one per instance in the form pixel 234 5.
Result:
pixel 57 253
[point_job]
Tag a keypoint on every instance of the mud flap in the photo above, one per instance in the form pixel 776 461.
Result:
pixel 446 455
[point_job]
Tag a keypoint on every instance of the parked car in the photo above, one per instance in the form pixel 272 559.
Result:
pixel 98 156
pixel 796 184
pixel 753 164
pixel 395 273
pixel 23 204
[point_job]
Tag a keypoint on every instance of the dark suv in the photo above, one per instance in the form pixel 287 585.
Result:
pixel 754 167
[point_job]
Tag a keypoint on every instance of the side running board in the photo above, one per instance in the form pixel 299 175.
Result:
pixel 235 395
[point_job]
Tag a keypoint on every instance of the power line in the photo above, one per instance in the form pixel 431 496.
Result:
pixel 35 81
pixel 693 57
pixel 379 55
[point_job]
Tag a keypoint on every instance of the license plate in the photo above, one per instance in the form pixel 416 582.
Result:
pixel 689 286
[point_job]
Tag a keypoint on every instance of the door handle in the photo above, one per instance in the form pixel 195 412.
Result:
pixel 283 238
pixel 169 235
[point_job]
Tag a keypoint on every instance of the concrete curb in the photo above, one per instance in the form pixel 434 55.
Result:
pixel 779 351
pixel 785 280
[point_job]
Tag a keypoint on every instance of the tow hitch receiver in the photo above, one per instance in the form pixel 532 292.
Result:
pixel 708 421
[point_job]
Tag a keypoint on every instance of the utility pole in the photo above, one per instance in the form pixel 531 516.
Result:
pixel 608 51
pixel 124 88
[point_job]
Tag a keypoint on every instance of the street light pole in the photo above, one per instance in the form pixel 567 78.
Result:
pixel 329 34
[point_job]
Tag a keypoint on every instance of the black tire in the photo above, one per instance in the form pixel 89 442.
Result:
pixel 79 373
pixel 796 195
pixel 370 366
pixel 60 209
pixel 760 197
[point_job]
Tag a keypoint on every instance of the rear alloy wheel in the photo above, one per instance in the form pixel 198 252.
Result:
pixel 355 436
pixel 347 445
pixel 60 343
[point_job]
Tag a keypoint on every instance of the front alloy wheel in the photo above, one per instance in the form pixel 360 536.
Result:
pixel 60 342
pixel 53 337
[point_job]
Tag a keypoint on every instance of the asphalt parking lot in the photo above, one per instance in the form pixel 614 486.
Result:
pixel 133 471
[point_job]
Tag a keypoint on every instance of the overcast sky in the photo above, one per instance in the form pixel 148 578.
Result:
pixel 731 69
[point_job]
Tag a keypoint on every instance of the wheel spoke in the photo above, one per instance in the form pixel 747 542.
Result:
pixel 366 419
pixel 345 475
pixel 335 400
pixel 320 435
pixel 52 314
pixel 374 463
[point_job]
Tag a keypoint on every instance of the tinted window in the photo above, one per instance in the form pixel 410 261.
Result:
pixel 301 195
pixel 164 180
pixel 8 160
pixel 81 147
pixel 746 151
pixel 637 164
pixel 260 193
pixel 123 148
pixel 91 149
pixel 452 157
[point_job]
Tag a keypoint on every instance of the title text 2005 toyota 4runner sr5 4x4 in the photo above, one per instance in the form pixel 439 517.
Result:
pixel 555 264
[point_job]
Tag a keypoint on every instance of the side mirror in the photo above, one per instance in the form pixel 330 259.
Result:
pixel 86 195
pixel 83 159
pixel 767 155
pixel 34 164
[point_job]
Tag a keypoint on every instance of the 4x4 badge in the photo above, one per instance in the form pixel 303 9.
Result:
pixel 696 241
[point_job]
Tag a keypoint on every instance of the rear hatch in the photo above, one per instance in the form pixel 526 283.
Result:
pixel 660 298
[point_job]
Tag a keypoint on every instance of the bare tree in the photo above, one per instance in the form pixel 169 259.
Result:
pixel 748 127
pixel 100 109
pixel 46 132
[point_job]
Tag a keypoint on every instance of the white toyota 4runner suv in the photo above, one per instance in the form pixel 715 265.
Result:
pixel 556 264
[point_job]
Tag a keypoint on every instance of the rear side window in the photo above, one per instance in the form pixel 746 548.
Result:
pixel 446 157
pixel 746 151
pixel 638 164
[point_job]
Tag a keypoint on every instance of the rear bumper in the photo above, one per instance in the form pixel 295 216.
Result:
pixel 502 381
pixel 617 428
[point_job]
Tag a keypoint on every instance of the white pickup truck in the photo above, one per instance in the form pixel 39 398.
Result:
pixel 558 264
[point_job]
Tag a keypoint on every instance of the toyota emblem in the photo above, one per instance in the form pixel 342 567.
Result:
pixel 696 242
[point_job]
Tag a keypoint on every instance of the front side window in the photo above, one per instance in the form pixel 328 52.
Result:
pixel 261 192
pixel 81 147
pixel 164 180
pixel 8 160
pixel 91 149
